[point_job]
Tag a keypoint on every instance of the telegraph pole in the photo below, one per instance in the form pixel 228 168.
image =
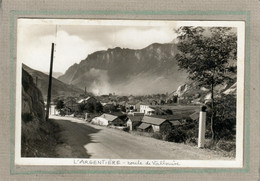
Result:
pixel 50 83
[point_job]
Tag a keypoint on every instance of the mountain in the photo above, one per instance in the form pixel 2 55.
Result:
pixel 58 88
pixel 127 71
pixel 54 74
pixel 192 92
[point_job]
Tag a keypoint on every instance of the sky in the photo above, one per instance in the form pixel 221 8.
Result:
pixel 76 39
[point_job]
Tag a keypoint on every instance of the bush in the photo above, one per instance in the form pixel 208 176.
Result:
pixel 177 135
pixel 27 117
pixel 225 122
pixel 126 129
pixel 157 135
pixel 226 145
pixel 192 141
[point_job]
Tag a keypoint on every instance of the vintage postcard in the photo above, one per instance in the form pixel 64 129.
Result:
pixel 140 93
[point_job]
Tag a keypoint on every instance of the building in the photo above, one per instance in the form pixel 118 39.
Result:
pixel 147 110
pixel 145 127
pixel 53 110
pixel 195 116
pixel 134 121
pixel 71 105
pixel 108 119
pixel 154 102
pixel 175 123
pixel 156 123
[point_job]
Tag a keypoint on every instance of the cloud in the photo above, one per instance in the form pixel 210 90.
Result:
pixel 75 42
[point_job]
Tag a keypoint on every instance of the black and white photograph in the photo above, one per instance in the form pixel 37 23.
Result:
pixel 149 93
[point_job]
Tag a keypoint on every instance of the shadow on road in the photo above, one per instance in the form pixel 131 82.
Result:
pixel 73 137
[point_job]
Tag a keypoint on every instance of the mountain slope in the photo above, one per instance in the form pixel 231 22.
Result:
pixel 192 92
pixel 58 88
pixel 125 71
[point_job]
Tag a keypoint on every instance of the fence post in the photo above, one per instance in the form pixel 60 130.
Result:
pixel 202 127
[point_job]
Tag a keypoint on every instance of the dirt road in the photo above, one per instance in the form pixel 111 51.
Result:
pixel 84 140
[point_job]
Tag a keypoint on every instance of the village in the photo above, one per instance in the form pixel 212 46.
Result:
pixel 155 114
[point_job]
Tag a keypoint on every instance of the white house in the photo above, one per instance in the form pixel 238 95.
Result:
pixel 53 110
pixel 100 121
pixel 147 110
pixel 107 119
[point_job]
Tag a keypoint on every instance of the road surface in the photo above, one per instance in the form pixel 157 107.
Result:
pixel 84 140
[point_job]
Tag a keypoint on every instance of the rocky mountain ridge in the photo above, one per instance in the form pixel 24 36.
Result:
pixel 127 71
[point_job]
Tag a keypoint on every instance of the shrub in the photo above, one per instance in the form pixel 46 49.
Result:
pixel 225 123
pixel 157 135
pixel 177 135
pixel 126 129
pixel 192 141
pixel 27 117
pixel 226 145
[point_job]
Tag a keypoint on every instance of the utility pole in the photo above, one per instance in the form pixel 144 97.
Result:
pixel 50 83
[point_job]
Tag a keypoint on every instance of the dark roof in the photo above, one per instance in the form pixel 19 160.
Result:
pixel 108 117
pixel 169 117
pixel 195 115
pixel 144 126
pixel 135 118
pixel 153 120
pixel 175 123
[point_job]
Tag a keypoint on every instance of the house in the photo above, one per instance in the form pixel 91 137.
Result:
pixel 147 110
pixel 131 106
pixel 122 103
pixel 71 105
pixel 53 110
pixel 158 111
pixel 195 116
pixel 136 114
pixel 133 121
pixel 138 104
pixel 175 123
pixel 175 119
pixel 108 119
pixel 154 102
pixel 145 127
pixel 156 123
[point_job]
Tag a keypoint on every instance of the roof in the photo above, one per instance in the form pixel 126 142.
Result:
pixel 175 123
pixel 144 126
pixel 153 120
pixel 71 101
pixel 86 99
pixel 135 118
pixel 195 115
pixel 171 117
pixel 108 117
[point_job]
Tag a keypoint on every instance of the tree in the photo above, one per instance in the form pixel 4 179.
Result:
pixel 207 54
pixel 225 126
pixel 60 105
pixel 98 107
pixel 89 107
